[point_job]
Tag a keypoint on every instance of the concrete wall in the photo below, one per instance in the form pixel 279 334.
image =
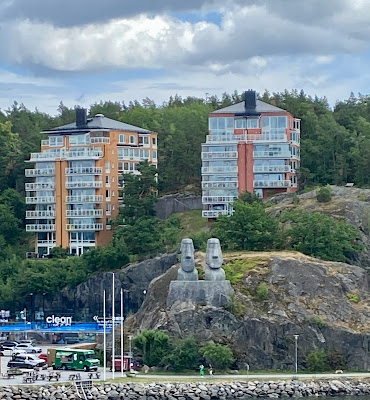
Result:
pixel 168 205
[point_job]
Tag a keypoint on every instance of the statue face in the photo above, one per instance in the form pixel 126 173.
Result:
pixel 214 254
pixel 187 255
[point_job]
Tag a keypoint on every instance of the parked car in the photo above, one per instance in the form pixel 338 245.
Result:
pixel 32 342
pixel 25 361
pixel 28 348
pixel 8 344
pixel 43 356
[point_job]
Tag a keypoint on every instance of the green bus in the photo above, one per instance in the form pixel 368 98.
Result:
pixel 76 359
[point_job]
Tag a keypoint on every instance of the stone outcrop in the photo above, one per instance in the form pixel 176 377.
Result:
pixel 326 303
pixel 192 391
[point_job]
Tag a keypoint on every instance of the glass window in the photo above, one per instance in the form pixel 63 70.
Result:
pixel 213 123
pixel 252 123
pixel 125 166
pixel 229 123
pixel 146 140
pixel 221 123
pixel 265 122
pixel 240 123
pixel 132 139
pixel 146 154
pixel 120 153
pixel 122 138
pixel 107 166
pixel 154 154
pixel 78 140
pixel 55 141
pixel 154 141
pixel 282 122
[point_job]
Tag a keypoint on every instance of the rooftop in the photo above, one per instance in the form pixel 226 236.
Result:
pixel 240 108
pixel 99 121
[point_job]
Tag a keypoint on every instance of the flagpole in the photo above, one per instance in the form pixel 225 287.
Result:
pixel 104 340
pixel 113 325
pixel 122 333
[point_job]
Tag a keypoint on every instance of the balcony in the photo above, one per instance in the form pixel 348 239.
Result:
pixel 81 153
pixel 85 213
pixel 40 200
pixel 39 172
pixel 265 137
pixel 271 184
pixel 39 186
pixel 35 214
pixel 45 142
pixel 85 199
pixel 224 138
pixel 84 185
pixel 218 199
pixel 219 170
pixel 47 155
pixel 219 185
pixel 272 168
pixel 84 171
pixel 84 227
pixel 40 228
pixel 219 154
pixel 213 213
pixel 268 154
pixel 99 140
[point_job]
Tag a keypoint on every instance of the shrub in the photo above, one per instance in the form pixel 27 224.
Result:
pixel 235 306
pixel 152 345
pixel 184 354
pixel 295 199
pixel 250 198
pixel 324 194
pixel 262 291
pixel 317 360
pixel 315 319
pixel 236 269
pixel 218 355
pixel 353 297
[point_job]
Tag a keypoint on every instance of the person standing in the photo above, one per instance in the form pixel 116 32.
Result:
pixel 201 369
pixel 210 371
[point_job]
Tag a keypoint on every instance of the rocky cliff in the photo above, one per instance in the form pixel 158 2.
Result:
pixel 326 303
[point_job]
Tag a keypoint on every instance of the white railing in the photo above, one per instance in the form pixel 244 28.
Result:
pixel 272 137
pixel 84 227
pixel 218 199
pixel 219 185
pixel 219 154
pixel 45 142
pixel 224 138
pixel 271 184
pixel 84 213
pixel 47 155
pixel 99 140
pixel 85 199
pixel 272 168
pixel 35 214
pixel 40 228
pixel 40 200
pixel 39 172
pixel 84 170
pixel 212 170
pixel 84 185
pixel 261 154
pixel 213 213
pixel 83 153
pixel 40 186
pixel 49 242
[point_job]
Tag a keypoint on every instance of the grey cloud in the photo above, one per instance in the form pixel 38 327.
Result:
pixel 80 12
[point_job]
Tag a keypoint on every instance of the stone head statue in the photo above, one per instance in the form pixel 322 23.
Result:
pixel 187 255
pixel 214 254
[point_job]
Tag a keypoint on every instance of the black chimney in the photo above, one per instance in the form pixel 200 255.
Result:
pixel 81 117
pixel 250 101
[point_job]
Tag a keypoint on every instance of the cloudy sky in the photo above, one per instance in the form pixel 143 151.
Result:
pixel 83 51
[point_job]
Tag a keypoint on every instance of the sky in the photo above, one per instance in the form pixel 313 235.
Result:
pixel 84 51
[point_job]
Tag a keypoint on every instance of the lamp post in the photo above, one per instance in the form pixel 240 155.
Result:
pixel 296 353
pixel 130 355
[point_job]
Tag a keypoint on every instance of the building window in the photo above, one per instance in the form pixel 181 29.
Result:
pixel 252 123
pixel 107 194
pixel 154 141
pixel 55 141
pixel 107 166
pixel 122 138
pixel 79 140
pixel 240 124
pixel 154 154
pixel 132 140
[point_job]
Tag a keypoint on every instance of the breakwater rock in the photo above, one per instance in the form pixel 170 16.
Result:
pixel 190 391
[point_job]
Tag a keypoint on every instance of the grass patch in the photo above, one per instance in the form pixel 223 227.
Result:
pixel 192 222
pixel 353 297
pixel 235 270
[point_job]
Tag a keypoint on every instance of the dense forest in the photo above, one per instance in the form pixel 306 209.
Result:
pixel 335 149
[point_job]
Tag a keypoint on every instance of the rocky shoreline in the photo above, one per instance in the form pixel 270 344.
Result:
pixel 189 391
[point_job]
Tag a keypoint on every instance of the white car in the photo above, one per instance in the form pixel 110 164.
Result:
pixel 28 348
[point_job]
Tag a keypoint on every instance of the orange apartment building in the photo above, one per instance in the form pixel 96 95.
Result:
pixel 78 178
pixel 252 146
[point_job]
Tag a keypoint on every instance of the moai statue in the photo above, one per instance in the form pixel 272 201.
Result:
pixel 214 260
pixel 187 272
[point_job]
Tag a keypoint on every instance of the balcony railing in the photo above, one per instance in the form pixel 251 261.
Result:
pixel 218 199
pixel 40 200
pixel 39 186
pixel 45 142
pixel 39 172
pixel 47 155
pixel 213 213
pixel 35 214
pixel 265 137
pixel 212 170
pixel 40 228
pixel 219 185
pixel 263 154
pixel 84 185
pixel 272 168
pixel 83 153
pixel 271 184
pixel 224 138
pixel 99 140
pixel 219 154
pixel 85 213
pixel 85 199
pixel 84 227
pixel 84 171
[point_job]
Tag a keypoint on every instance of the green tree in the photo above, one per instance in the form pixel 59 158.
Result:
pixel 218 355
pixel 184 354
pixel 319 235
pixel 249 228
pixel 152 345
pixel 250 198
pixel 317 360
pixel 324 194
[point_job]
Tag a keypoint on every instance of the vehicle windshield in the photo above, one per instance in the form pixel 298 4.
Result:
pixel 90 356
